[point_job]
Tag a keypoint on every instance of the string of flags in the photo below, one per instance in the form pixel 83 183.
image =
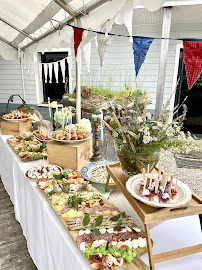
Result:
pixel 141 44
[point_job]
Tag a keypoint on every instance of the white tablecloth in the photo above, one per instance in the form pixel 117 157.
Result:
pixel 50 245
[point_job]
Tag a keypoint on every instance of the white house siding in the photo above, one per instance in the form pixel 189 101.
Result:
pixel 11 83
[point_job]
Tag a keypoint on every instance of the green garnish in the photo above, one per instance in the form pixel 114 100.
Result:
pixel 52 192
pixel 118 218
pixel 65 190
pixel 65 174
pixel 97 223
pixel 83 187
pixel 74 201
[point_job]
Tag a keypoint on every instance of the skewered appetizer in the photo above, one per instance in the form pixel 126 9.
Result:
pixel 42 134
pixel 157 188
pixel 16 115
pixel 71 133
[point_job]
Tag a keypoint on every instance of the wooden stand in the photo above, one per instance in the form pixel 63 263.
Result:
pixel 96 151
pixel 8 128
pixel 150 214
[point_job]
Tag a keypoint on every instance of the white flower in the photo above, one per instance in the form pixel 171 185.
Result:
pixel 85 124
pixel 159 124
pixel 148 115
pixel 168 133
pixel 155 127
pixel 178 129
pixel 140 129
pixel 115 134
pixel 147 139
pixel 196 148
pixel 190 138
pixel 179 137
pixel 139 119
pixel 162 156
pixel 154 139
pixel 146 131
pixel 187 150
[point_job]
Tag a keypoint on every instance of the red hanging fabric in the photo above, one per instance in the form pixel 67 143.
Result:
pixel 78 33
pixel 192 60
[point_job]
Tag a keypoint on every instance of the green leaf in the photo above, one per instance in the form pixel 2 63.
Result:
pixel 86 220
pixel 52 192
pixel 115 218
pixel 123 214
pixel 92 225
pixel 76 205
pixel 83 187
pixel 118 225
pixel 96 231
pixel 98 221
pixel 65 190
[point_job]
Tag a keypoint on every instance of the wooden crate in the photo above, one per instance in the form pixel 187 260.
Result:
pixel 8 128
pixel 71 156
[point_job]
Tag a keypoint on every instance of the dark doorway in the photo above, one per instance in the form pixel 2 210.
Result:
pixel 193 122
pixel 55 90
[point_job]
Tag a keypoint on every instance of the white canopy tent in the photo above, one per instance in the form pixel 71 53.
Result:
pixel 35 26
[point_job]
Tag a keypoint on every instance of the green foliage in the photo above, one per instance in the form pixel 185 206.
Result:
pixel 74 201
pixel 118 218
pixel 52 192
pixel 97 223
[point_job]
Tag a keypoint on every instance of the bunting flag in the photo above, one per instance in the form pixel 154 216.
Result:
pixel 192 60
pixel 55 64
pixel 50 69
pixel 125 16
pixel 108 26
pixel 78 34
pixel 87 54
pixel 40 71
pixel 140 48
pixel 103 42
pixel 45 68
pixel 62 65
pixel 69 61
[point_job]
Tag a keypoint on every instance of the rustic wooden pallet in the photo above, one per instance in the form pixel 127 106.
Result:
pixel 137 263
pixel 45 155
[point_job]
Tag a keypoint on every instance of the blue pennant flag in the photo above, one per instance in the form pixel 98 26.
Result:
pixel 140 48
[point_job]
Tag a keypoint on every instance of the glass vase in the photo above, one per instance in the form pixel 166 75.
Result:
pixel 133 163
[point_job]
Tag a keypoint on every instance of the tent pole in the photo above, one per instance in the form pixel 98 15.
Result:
pixel 163 61
pixel 78 86
pixel 22 79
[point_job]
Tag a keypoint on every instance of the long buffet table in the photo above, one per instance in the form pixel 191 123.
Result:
pixel 48 242
pixel 50 245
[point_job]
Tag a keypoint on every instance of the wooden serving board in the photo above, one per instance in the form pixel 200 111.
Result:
pixel 137 263
pixel 45 155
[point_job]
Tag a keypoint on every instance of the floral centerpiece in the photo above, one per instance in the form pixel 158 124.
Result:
pixel 139 139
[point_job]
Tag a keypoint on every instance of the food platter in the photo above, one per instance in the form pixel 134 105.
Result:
pixel 90 168
pixel 16 120
pixel 183 192
pixel 71 141
pixel 37 172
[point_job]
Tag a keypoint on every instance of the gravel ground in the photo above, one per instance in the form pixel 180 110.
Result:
pixel 190 176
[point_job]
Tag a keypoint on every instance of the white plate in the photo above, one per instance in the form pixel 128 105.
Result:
pixel 183 192
pixel 16 120
pixel 37 167
pixel 71 141
pixel 43 141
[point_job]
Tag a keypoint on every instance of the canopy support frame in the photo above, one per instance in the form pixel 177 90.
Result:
pixel 8 42
pixel 16 28
pixel 163 61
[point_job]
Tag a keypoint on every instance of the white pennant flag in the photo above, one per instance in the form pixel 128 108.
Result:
pixel 125 16
pixel 103 43
pixel 50 69
pixel 55 64
pixel 87 54
pixel 69 61
pixel 45 68
pixel 62 65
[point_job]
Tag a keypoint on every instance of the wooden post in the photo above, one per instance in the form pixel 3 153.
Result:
pixel 163 61
pixel 78 86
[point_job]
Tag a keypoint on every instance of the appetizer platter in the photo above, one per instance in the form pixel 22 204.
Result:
pixel 45 171
pixel 70 135
pixel 16 116
pixel 108 238
pixel 42 134
pixel 97 172
pixel 158 190
pixel 27 148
